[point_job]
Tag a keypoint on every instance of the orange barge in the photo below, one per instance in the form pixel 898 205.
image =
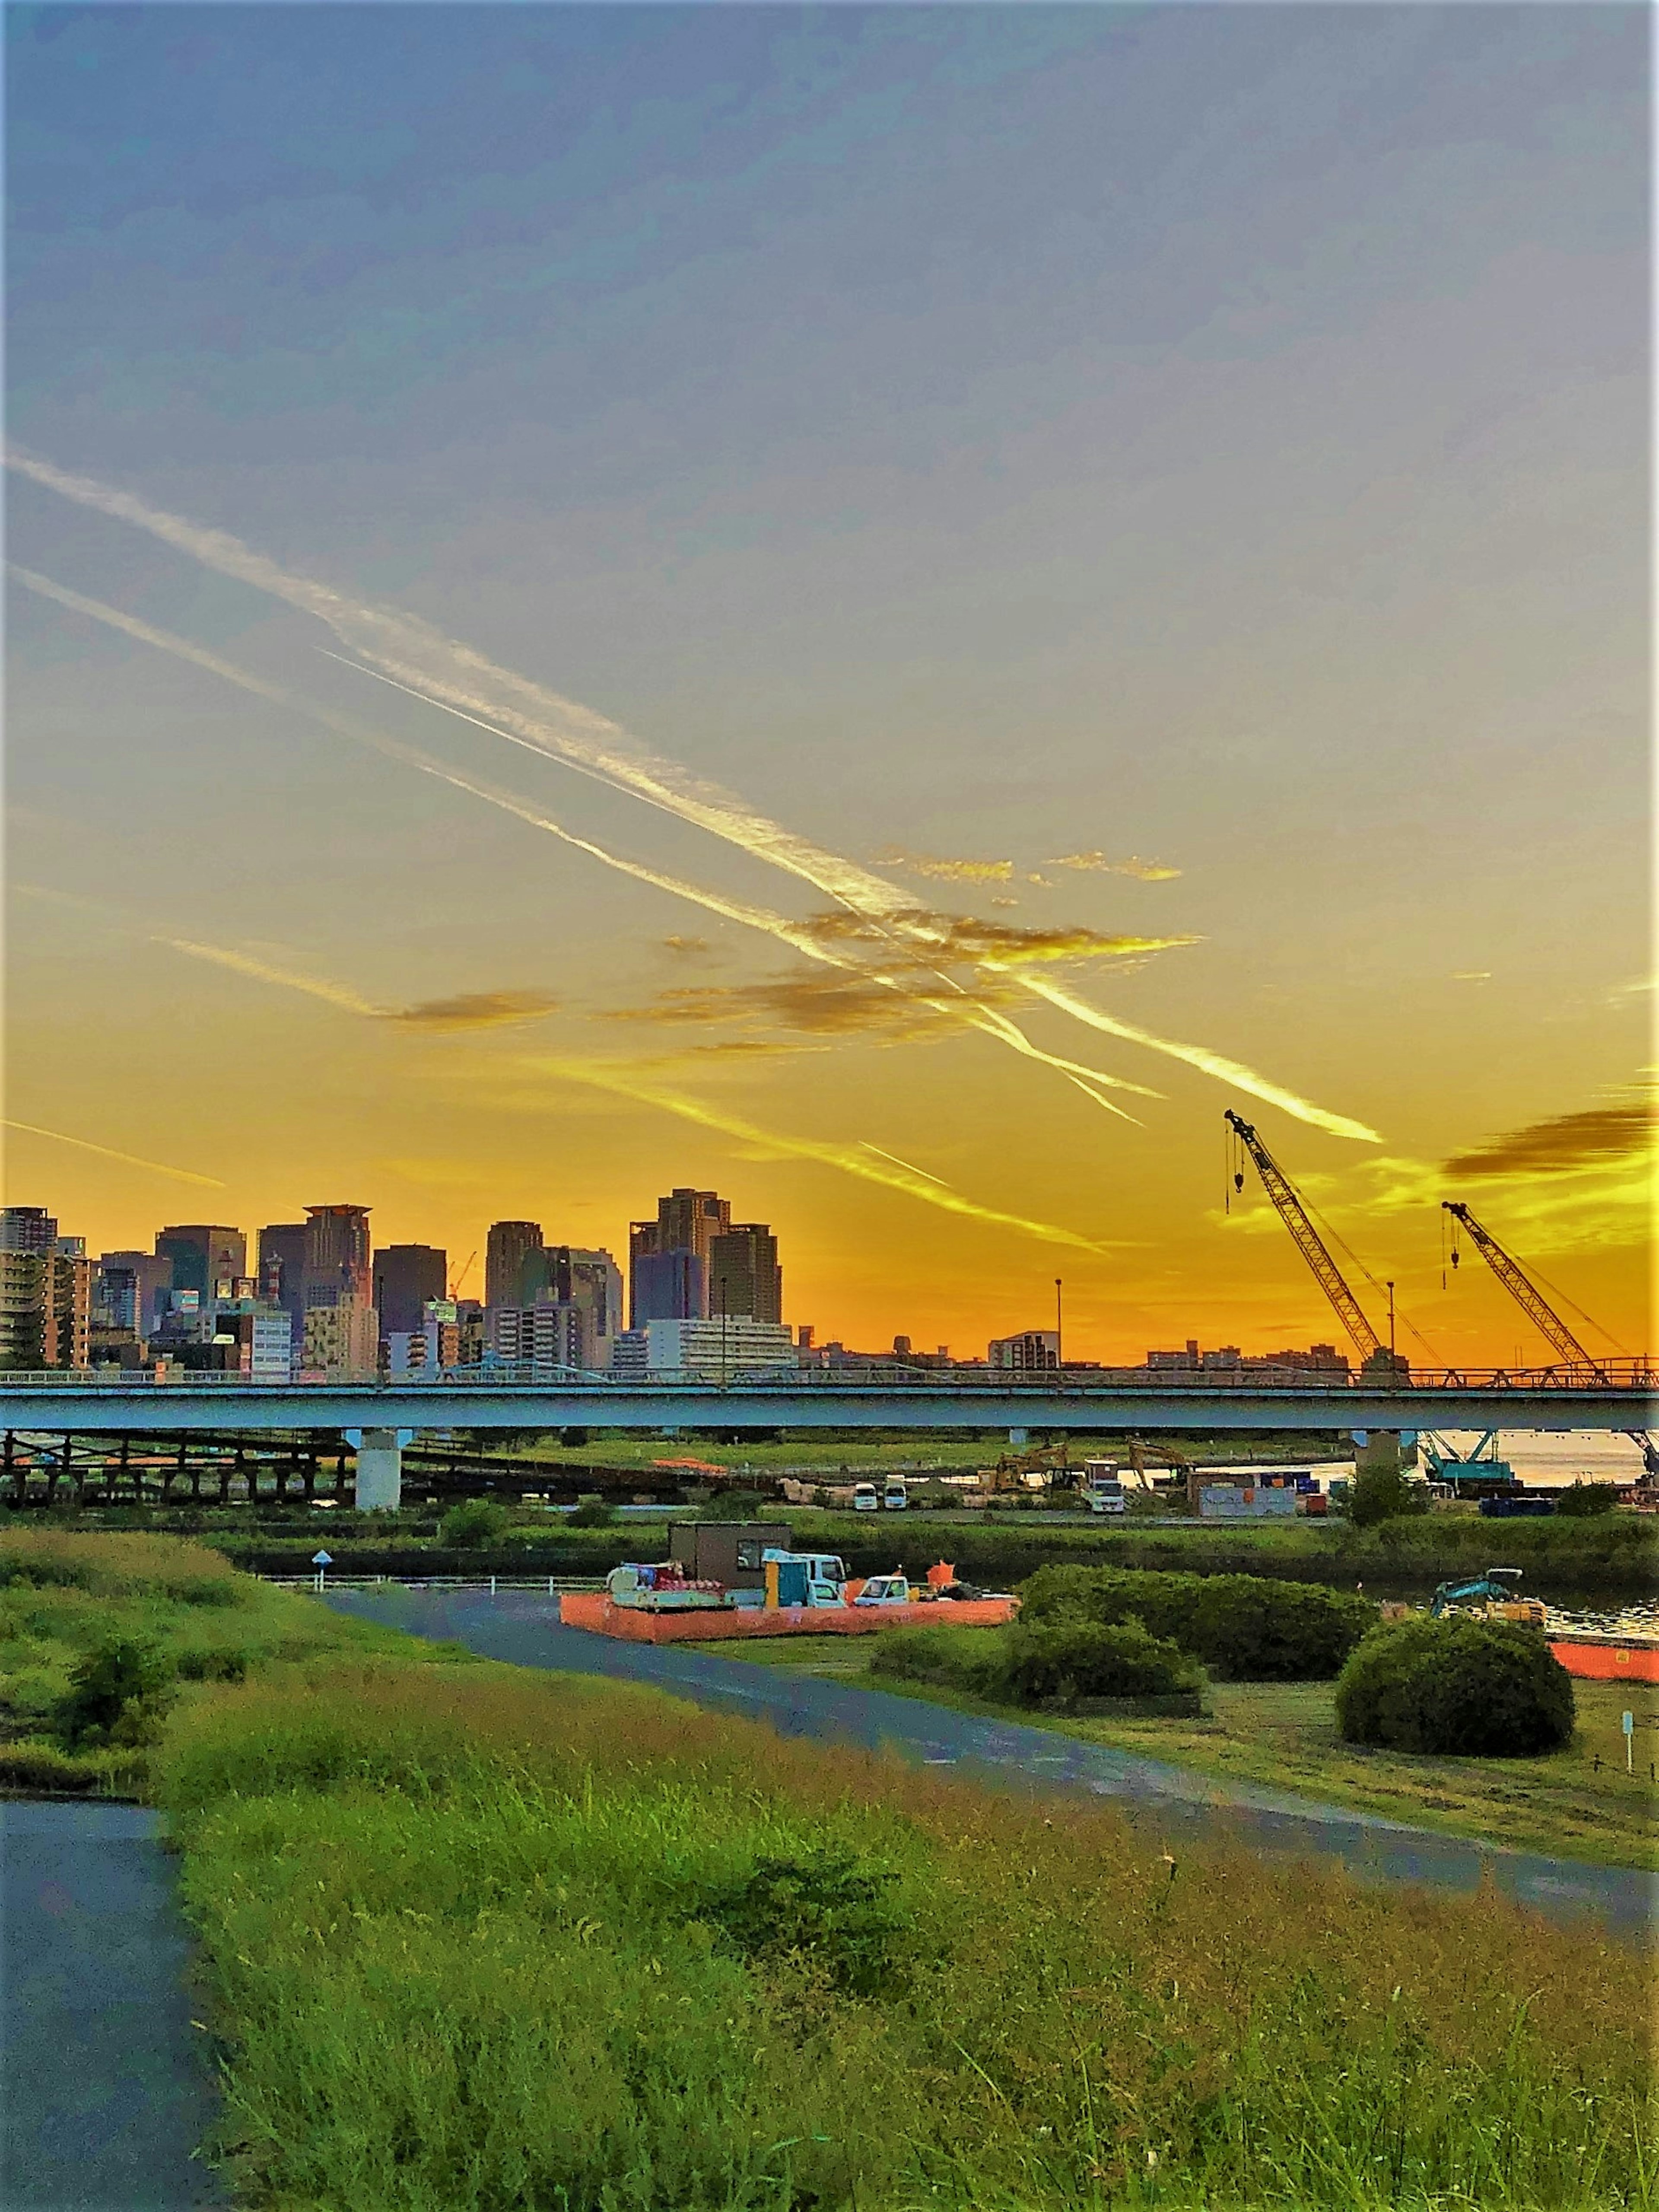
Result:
pixel 595 1609
pixel 1607 1658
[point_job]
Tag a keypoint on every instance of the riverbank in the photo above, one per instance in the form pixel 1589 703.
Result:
pixel 1579 1803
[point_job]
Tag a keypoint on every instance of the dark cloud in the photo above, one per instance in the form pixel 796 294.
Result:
pixel 943 940
pixel 1564 1141
pixel 475 1010
pixel 688 948
pixel 815 1003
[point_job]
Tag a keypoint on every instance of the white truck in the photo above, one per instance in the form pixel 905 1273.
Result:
pixel 866 1498
pixel 1101 1487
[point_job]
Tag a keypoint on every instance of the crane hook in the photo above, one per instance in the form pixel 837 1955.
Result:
pixel 1238 1181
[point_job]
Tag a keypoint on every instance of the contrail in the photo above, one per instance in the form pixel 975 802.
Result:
pixel 451 674
pixel 742 911
pixel 108 1153
pixel 263 971
pixel 847 1158
pixel 1196 1055
pixel 905 1164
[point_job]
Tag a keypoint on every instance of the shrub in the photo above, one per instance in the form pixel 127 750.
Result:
pixel 1490 1689
pixel 1088 1659
pixel 474 1522
pixel 591 1513
pixel 1585 1498
pixel 1379 1494
pixel 955 1658
pixel 824 1905
pixel 118 1692
pixel 735 1505
pixel 1246 1628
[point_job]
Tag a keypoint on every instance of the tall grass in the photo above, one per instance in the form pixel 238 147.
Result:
pixel 472 1936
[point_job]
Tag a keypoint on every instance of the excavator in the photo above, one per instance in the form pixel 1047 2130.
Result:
pixel 1051 1462
pixel 1376 1359
pixel 1543 1315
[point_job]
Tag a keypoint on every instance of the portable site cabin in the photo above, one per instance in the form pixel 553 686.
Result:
pixel 729 1551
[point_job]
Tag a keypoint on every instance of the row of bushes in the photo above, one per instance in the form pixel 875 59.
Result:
pixel 1246 1628
pixel 1034 1663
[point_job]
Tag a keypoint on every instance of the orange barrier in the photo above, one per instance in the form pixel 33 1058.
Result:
pixel 593 1610
pixel 1611 1661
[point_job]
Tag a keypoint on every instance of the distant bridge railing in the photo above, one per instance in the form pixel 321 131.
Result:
pixel 1622 1374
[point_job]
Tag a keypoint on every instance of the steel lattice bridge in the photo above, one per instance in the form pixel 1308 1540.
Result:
pixel 1612 1395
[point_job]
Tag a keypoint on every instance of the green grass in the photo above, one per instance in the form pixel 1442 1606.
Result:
pixel 472 1940
pixel 1283 1735
pixel 476 1938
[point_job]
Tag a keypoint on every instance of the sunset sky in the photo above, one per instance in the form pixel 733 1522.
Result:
pixel 968 539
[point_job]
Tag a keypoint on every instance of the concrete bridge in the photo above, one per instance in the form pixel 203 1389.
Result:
pixel 378 1418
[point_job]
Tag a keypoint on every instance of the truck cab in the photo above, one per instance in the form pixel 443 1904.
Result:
pixel 884 1589
pixel 1103 1488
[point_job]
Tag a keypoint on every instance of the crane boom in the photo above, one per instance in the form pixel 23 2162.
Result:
pixel 1309 1242
pixel 1522 1290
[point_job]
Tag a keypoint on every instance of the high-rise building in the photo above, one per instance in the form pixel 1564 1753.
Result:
pixel 1032 1347
pixel 206 1257
pixel 663 1282
pixel 715 1350
pixel 337 1257
pixel 508 1247
pixel 550 1334
pixel 46 1310
pixel 26 1228
pixel 743 1275
pixel 129 1290
pixel 407 1276
pixel 342 1339
pixel 281 1276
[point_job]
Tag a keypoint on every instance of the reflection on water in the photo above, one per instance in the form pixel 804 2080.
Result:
pixel 1641 1619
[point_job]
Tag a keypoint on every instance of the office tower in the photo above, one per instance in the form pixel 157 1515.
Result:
pixel 744 1274
pixel 206 1257
pixel 668 1258
pixel 575 1275
pixel 337 1257
pixel 550 1334
pixel 508 1247
pixel 46 1310
pixel 407 1276
pixel 129 1290
pixel 26 1228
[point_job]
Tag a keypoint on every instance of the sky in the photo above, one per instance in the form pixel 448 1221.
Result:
pixel 880 610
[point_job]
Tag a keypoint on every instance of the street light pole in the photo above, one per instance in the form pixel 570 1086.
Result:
pixel 1059 1340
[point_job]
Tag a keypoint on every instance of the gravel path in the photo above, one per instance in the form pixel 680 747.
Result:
pixel 522 1626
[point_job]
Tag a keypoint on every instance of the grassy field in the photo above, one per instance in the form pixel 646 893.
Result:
pixel 476 1938
pixel 1575 1804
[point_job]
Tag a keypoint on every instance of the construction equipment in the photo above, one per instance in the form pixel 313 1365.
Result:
pixel 1050 1463
pixel 1376 1356
pixel 1482 1465
pixel 456 1280
pixel 1493 1595
pixel 1538 1310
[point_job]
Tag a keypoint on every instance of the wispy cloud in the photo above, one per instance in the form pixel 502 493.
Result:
pixel 339 995
pixel 416 657
pixel 688 948
pixel 950 940
pixel 475 1010
pixel 1147 871
pixel 950 871
pixel 109 1152
pixel 1563 1142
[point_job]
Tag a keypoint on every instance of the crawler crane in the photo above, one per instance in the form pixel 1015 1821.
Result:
pixel 1543 1315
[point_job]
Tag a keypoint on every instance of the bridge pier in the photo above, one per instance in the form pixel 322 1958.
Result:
pixel 380 1471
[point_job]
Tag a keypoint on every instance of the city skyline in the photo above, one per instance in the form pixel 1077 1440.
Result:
pixel 903 619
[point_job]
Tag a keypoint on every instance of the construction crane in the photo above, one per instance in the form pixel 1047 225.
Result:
pixel 456 1281
pixel 1373 1352
pixel 1539 1311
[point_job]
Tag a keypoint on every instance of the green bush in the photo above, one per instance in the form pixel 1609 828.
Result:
pixel 823 1904
pixel 1088 1659
pixel 1246 1628
pixel 591 1513
pixel 119 1692
pixel 1587 1499
pixel 1379 1494
pixel 1489 1688
pixel 954 1658
pixel 735 1505
pixel 474 1522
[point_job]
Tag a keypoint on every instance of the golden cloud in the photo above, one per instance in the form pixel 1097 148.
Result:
pixel 690 948
pixel 943 940
pixel 841 1004
pixel 474 1010
pixel 950 871
pixel 1563 1142
pixel 1146 872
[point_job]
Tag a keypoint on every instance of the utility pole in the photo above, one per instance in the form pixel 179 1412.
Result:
pixel 1059 1340
pixel 1391 1320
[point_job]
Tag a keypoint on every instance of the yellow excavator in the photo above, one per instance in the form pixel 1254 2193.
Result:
pixel 1050 1462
